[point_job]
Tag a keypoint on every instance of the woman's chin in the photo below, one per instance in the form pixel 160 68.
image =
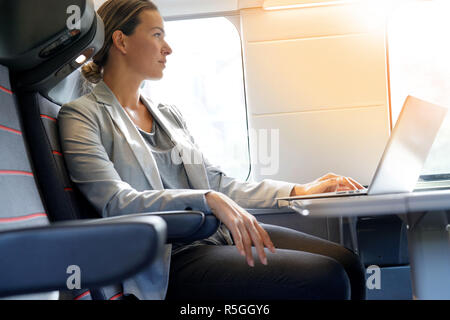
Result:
pixel 155 77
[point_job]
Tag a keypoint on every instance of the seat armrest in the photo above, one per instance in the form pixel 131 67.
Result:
pixel 106 252
pixel 188 226
pixel 262 211
pixel 208 228
pixel 182 226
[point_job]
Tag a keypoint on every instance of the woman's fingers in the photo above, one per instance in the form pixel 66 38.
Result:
pixel 238 239
pixel 329 175
pixel 257 241
pixel 338 184
pixel 356 183
pixel 265 237
pixel 244 228
pixel 348 183
pixel 247 244
pixel 241 227
pixel 254 234
pixel 259 234
pixel 255 237
pixel 243 242
pixel 331 183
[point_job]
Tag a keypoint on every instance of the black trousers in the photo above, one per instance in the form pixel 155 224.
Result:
pixel 303 267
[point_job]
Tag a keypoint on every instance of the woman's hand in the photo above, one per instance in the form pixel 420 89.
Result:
pixel 327 183
pixel 243 226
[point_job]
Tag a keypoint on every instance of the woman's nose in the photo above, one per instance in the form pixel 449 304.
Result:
pixel 167 50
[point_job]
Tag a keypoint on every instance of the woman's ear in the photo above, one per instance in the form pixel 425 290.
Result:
pixel 119 41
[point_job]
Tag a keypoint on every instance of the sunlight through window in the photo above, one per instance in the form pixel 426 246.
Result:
pixel 204 79
pixel 419 55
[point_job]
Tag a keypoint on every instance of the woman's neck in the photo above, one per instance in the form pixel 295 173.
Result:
pixel 124 86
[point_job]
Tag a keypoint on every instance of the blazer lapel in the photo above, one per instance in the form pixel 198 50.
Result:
pixel 191 157
pixel 132 136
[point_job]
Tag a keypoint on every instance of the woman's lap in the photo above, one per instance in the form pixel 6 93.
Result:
pixel 295 240
pixel 303 267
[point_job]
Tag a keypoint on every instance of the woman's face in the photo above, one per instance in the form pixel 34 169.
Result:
pixel 146 48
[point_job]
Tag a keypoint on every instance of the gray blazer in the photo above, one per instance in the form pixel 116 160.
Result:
pixel 114 168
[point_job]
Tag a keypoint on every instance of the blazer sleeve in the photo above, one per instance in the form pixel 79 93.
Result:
pixel 93 172
pixel 246 194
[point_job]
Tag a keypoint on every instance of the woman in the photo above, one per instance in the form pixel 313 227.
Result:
pixel 124 154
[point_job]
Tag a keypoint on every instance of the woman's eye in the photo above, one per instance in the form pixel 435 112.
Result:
pixel 158 35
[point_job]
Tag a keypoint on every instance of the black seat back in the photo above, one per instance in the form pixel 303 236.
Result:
pixel 63 200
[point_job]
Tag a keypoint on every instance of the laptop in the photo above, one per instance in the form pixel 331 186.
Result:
pixel 405 153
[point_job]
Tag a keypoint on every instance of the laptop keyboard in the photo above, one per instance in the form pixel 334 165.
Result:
pixel 352 191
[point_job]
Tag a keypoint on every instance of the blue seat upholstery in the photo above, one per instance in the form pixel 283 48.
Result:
pixel 16 174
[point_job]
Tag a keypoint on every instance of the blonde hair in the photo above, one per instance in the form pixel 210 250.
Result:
pixel 116 15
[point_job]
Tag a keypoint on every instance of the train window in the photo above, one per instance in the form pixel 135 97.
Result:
pixel 419 64
pixel 204 79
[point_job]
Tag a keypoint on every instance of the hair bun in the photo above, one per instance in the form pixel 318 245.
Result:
pixel 92 72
